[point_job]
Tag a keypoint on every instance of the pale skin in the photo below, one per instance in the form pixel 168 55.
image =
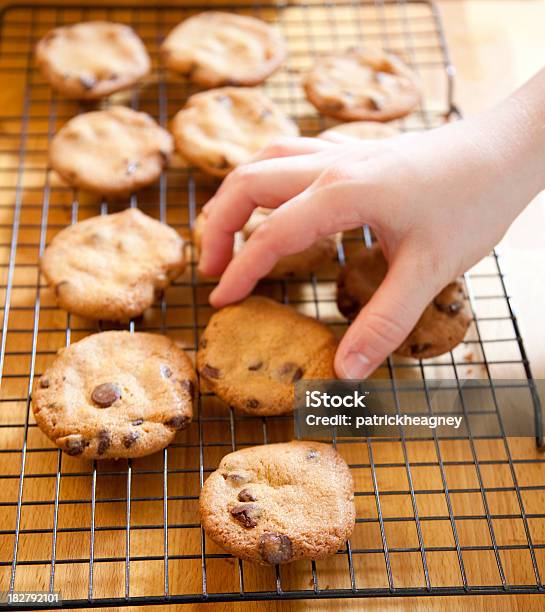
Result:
pixel 437 201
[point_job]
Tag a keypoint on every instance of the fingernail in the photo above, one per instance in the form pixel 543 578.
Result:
pixel 355 365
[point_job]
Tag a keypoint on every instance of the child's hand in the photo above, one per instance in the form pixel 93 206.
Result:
pixel 437 201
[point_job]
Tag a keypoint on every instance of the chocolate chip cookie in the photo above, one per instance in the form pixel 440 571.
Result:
pixel 91 60
pixel 442 326
pixel 309 261
pixel 362 85
pixel 110 267
pixel 115 394
pixel 361 130
pixel 112 152
pixel 279 503
pixel 252 353
pixel 214 48
pixel 219 129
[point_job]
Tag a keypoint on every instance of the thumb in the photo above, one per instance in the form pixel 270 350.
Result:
pixel 386 320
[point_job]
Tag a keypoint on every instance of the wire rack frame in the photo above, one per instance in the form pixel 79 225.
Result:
pixel 34 206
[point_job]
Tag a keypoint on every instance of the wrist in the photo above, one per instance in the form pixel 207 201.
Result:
pixel 511 138
pixel 523 115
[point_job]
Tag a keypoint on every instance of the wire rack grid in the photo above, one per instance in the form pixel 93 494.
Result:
pixel 434 517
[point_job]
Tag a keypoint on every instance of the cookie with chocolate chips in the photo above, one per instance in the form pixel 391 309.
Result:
pixel 88 61
pixel 111 152
pixel 220 129
pixel 279 503
pixel 111 266
pixel 115 394
pixel 252 353
pixel 216 48
pixel 361 84
pixel 309 261
pixel 442 326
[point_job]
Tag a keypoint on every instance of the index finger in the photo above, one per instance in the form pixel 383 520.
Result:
pixel 268 183
pixel 290 229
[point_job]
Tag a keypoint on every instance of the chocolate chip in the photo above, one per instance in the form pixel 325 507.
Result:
pixel 451 309
pixel 246 496
pixel 106 394
pixel 188 386
pixel 246 514
pixel 416 349
pixel 252 403
pixel 255 365
pixel 87 82
pixel 137 422
pixel 222 163
pixel 131 167
pixel 166 371
pixel 291 368
pixel 297 375
pixel 313 453
pixel 374 103
pixel 210 372
pixel 75 445
pixel 275 547
pixel 44 382
pixel 130 438
pixel 348 306
pixel 104 442
pixel 179 421
pixel 203 342
pixel 239 478
pixel 288 367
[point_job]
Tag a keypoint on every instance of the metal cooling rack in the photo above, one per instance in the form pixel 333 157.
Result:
pixel 434 517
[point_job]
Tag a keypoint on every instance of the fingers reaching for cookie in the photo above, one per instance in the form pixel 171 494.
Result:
pixel 434 200
pixel 282 174
pixel 291 228
pixel 266 183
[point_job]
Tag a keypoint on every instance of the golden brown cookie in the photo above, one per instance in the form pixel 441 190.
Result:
pixel 309 261
pixel 91 60
pixel 279 503
pixel 115 394
pixel 110 267
pixel 252 353
pixel 442 326
pixel 214 48
pixel 220 129
pixel 360 84
pixel 111 152
pixel 361 130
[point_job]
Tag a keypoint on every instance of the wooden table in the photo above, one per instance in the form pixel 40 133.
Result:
pixel 495 45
